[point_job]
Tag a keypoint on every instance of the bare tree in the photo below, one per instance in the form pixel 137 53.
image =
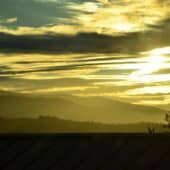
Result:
pixel 167 119
pixel 151 130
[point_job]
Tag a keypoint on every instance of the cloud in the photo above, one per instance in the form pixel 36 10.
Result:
pixel 125 16
pixel 150 90
pixel 82 75
pixel 86 42
pixel 75 16
pixel 11 20
pixel 56 85
pixel 163 71
pixel 8 20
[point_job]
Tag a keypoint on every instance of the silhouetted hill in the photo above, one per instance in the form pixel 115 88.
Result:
pixel 98 109
pixel 55 125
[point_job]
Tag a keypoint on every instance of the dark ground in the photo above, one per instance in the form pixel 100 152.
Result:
pixel 56 125
pixel 84 151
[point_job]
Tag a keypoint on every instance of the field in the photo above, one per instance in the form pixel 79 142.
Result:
pixel 49 143
pixel 84 151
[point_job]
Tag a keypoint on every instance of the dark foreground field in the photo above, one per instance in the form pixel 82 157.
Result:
pixel 84 152
pixel 56 125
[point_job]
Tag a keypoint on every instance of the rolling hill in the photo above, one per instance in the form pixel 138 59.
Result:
pixel 96 109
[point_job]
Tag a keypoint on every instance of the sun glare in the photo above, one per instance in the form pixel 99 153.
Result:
pixel 152 63
pixel 123 27
pixel 156 60
pixel 160 51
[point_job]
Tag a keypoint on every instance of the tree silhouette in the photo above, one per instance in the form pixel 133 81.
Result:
pixel 167 119
pixel 151 130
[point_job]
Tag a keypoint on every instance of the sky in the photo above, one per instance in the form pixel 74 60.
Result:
pixel 119 49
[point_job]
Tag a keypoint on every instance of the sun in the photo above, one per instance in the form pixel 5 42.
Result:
pixel 152 64
pixel 154 61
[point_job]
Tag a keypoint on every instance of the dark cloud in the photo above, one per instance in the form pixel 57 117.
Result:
pixel 53 68
pixel 56 43
pixel 3 68
pixel 96 59
pixel 86 42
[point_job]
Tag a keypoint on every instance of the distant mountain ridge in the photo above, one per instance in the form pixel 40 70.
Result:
pixel 98 109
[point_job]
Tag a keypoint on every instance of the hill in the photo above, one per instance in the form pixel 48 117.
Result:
pixel 98 109
pixel 55 125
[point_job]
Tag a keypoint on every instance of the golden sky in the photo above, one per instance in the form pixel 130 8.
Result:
pixel 111 48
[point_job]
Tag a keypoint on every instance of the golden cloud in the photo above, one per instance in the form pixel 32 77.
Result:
pixel 106 17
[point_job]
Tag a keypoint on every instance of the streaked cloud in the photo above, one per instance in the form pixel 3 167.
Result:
pixel 150 90
pixel 128 77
